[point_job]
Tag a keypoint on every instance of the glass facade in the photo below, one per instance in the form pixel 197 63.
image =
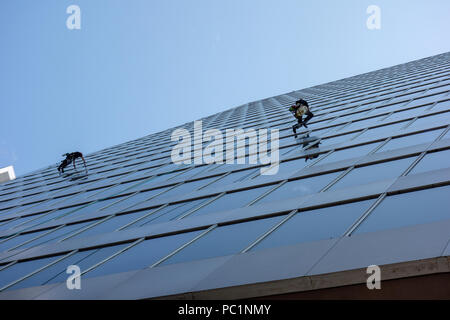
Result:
pixel 136 209
pixel 408 209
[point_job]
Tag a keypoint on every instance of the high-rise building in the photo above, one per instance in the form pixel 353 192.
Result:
pixel 367 198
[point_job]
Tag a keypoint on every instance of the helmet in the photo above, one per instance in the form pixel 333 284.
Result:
pixel 302 102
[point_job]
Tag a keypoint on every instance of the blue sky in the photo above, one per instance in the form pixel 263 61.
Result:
pixel 138 67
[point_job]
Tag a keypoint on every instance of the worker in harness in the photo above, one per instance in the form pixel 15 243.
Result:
pixel 70 158
pixel 300 108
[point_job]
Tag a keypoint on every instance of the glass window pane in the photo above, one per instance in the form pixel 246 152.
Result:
pixel 215 169
pixel 431 121
pixel 89 208
pixel 406 97
pixel 135 186
pixel 52 236
pixel 63 213
pixel 225 240
pixel 432 161
pixel 110 225
pixel 362 124
pixel 290 150
pixel 441 106
pixel 21 269
pixel 57 272
pixel 428 99
pixel 348 153
pixel 446 136
pixel 44 276
pixel 410 140
pixel 9 204
pixel 438 89
pixel 291 167
pixel 168 168
pixel 17 240
pixel 286 141
pixel 155 179
pixel 168 213
pixel 193 172
pixel 122 204
pixel 41 218
pixel 232 201
pixel 105 192
pixel 313 225
pixel 402 115
pixel 300 187
pixel 233 177
pixel 338 139
pixel 371 173
pixel 143 254
pixel 47 205
pixel 407 209
pixel 14 223
pixel 381 132
pixel 187 187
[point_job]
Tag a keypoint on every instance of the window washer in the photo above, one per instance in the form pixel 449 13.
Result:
pixel 300 108
pixel 71 157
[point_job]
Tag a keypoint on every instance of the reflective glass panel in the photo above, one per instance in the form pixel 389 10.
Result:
pixel 225 240
pixel 232 201
pixel 372 173
pixel 313 225
pixel 143 254
pixel 432 161
pixel 299 187
pixel 348 153
pixel 407 209
pixel 410 140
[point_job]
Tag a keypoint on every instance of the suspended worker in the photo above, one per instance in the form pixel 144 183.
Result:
pixel 300 108
pixel 71 157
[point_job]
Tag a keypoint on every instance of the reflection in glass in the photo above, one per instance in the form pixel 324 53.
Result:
pixel 19 270
pixel 432 161
pixel 300 187
pixel 372 173
pixel 410 140
pixel 57 272
pixel 225 240
pixel 348 153
pixel 232 201
pixel 168 213
pixel 408 209
pixel 313 225
pixel 143 254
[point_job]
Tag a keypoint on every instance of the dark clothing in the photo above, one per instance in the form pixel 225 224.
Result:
pixel 74 155
pixel 298 114
pixel 309 115
pixel 70 157
pixel 63 164
pixel 301 123
pixel 302 102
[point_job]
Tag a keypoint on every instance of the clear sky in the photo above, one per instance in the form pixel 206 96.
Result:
pixel 137 67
